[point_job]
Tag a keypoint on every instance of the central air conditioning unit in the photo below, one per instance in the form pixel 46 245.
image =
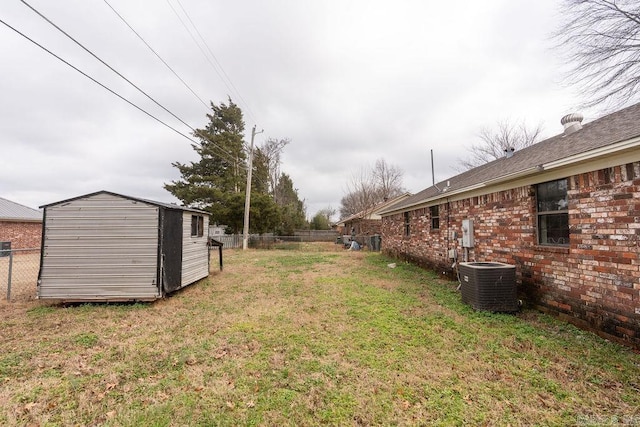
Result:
pixel 489 286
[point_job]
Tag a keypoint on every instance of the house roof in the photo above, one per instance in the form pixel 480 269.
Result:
pixel 12 211
pixel 612 131
pixel 137 199
pixel 374 210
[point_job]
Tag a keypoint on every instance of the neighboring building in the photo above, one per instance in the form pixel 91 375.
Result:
pixel 367 222
pixel 109 247
pixel 217 230
pixel 20 225
pixel 565 212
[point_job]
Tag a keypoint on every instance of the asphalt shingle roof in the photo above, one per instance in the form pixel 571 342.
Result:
pixel 610 129
pixel 374 210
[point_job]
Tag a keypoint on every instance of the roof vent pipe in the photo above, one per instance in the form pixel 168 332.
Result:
pixel 508 152
pixel 572 123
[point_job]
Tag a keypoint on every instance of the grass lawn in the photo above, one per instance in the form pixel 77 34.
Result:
pixel 311 336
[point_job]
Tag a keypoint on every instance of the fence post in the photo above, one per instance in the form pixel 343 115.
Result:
pixel 9 278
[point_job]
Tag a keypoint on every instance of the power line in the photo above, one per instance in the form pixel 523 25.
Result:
pixel 228 84
pixel 127 80
pixel 109 89
pixel 98 83
pixel 105 64
pixel 156 54
pixel 197 44
pixel 217 62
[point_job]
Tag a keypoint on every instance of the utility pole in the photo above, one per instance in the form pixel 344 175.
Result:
pixel 247 197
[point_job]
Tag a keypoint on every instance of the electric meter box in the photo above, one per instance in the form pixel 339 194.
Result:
pixel 467 233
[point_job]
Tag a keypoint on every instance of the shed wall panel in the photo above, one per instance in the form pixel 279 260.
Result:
pixel 101 247
pixel 195 253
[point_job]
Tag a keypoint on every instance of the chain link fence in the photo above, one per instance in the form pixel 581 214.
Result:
pixel 19 274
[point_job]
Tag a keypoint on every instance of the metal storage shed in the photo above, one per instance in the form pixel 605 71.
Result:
pixel 108 247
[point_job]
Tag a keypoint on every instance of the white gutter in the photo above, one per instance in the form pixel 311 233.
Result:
pixel 441 195
pixel 513 175
pixel 446 193
pixel 598 152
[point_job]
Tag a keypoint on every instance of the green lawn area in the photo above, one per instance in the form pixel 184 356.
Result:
pixel 311 336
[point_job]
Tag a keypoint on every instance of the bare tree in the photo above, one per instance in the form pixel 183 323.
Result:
pixel 494 142
pixel 360 193
pixel 601 39
pixel 271 150
pixel 327 213
pixel 370 186
pixel 388 179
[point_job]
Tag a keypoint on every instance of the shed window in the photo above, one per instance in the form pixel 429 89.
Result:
pixel 434 212
pixel 407 224
pixel 197 225
pixel 553 213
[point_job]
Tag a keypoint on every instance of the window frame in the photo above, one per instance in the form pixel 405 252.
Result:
pixel 554 221
pixel 435 219
pixel 407 223
pixel 197 225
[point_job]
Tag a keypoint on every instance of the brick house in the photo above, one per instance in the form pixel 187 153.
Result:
pixel 565 212
pixel 20 225
pixel 367 222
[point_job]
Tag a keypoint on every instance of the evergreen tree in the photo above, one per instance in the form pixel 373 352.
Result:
pixel 264 214
pixel 292 209
pixel 220 174
pixel 260 177
pixel 320 222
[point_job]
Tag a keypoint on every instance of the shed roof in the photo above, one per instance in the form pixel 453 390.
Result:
pixel 137 199
pixel 612 130
pixel 12 211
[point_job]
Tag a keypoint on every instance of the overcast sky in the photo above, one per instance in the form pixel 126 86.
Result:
pixel 347 81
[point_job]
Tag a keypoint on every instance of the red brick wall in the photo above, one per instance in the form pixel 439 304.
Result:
pixel 594 282
pixel 22 235
pixel 363 226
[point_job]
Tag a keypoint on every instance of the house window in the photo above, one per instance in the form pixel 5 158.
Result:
pixel 553 213
pixel 434 212
pixel 407 226
pixel 197 225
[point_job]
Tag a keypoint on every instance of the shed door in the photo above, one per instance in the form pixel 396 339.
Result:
pixel 171 250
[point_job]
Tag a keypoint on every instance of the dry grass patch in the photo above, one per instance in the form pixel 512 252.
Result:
pixel 314 336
